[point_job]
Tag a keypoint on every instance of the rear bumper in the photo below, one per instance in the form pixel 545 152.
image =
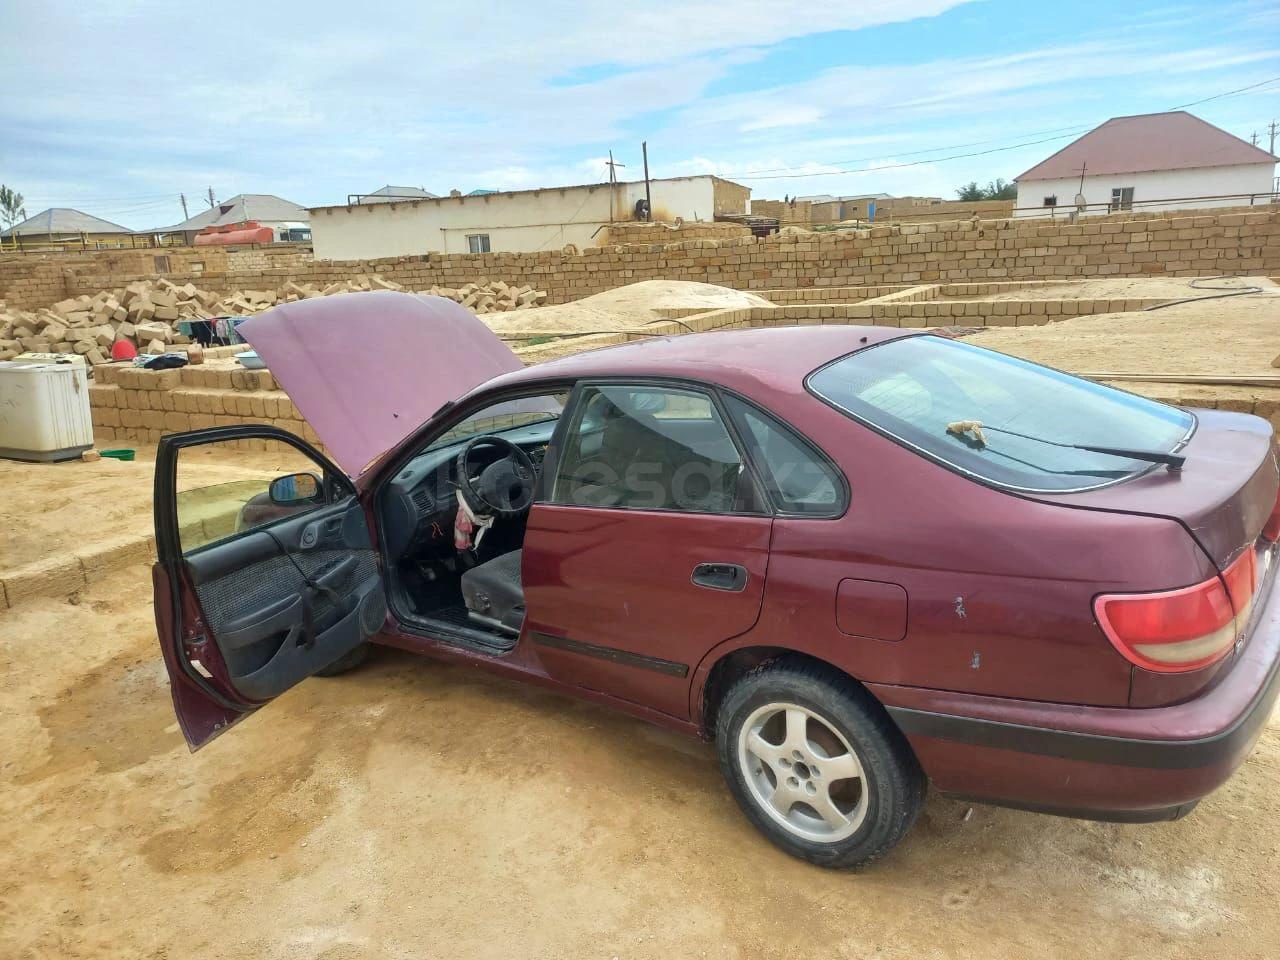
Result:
pixel 1099 762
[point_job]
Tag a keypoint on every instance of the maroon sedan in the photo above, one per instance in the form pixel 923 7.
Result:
pixel 860 559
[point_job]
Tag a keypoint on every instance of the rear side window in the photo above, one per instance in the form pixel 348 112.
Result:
pixel 799 479
pixel 914 388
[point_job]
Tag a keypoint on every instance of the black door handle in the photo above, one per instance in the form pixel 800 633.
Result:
pixel 720 576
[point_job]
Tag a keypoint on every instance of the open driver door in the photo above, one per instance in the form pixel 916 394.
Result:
pixel 265 573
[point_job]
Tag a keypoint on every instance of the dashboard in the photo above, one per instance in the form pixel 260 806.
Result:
pixel 421 501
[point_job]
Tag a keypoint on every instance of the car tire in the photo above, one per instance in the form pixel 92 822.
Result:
pixel 816 763
pixel 347 662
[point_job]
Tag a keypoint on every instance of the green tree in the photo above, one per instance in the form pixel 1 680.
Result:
pixel 11 208
pixel 997 189
pixel 1001 189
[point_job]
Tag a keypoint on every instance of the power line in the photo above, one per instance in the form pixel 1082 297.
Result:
pixel 138 198
pixel 766 174
pixel 916 153
pixel 1229 93
pixel 899 166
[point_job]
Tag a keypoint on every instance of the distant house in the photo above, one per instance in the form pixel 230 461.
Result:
pixel 513 220
pixel 1153 161
pixel 287 219
pixel 390 194
pixel 63 225
pixel 825 208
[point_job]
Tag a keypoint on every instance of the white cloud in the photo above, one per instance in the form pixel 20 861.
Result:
pixel 789 117
pixel 314 101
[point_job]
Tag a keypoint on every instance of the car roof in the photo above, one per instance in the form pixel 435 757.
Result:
pixel 773 358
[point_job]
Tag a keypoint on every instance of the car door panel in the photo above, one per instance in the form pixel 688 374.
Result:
pixel 611 600
pixel 255 598
pixel 244 617
pixel 201 710
pixel 653 548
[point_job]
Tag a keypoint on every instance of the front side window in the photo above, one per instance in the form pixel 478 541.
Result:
pixel 228 488
pixel 921 389
pixel 651 448
pixel 477 243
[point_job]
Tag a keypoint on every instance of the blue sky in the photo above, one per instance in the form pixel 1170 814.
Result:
pixel 117 108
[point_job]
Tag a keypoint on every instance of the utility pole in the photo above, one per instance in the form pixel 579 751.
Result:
pixel 212 202
pixel 183 198
pixel 612 165
pixel 1253 138
pixel 613 183
pixel 648 200
pixel 1272 130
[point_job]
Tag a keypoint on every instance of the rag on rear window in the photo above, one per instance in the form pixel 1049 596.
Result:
pixel 913 388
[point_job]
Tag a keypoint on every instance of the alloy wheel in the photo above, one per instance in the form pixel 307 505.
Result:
pixel 802 772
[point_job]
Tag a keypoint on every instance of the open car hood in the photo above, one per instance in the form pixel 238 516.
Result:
pixel 366 369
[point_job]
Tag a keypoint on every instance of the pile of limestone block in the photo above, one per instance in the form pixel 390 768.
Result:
pixel 148 313
pixel 492 296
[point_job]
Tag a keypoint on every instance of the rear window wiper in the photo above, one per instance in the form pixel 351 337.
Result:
pixel 972 433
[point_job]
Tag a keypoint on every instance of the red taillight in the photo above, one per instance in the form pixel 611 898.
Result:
pixel 1180 630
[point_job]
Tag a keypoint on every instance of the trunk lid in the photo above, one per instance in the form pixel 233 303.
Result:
pixel 367 369
pixel 1223 494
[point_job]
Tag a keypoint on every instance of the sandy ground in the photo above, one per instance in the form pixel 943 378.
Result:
pixel 1234 336
pixel 57 507
pixel 1172 288
pixel 414 810
pixel 623 308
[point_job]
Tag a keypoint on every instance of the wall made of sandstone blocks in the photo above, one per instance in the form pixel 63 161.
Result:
pixel 130 404
pixel 952 251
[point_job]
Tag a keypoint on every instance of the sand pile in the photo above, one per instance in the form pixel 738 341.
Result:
pixel 623 308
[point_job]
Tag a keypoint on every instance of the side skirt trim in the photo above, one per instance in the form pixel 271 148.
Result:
pixel 612 654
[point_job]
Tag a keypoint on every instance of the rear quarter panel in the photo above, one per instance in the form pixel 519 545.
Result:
pixel 999 587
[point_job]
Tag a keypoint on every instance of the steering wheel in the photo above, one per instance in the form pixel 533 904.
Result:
pixel 506 486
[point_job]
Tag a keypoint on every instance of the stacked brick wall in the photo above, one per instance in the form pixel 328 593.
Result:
pixel 947 210
pixel 797 213
pixel 1062 214
pixel 647 233
pixel 136 405
pixel 949 252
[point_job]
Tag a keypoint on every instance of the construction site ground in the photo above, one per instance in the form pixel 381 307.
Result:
pixel 412 809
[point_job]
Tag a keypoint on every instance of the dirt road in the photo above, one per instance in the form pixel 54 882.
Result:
pixel 415 810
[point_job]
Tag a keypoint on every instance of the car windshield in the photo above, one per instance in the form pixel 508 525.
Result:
pixel 917 387
pixel 504 416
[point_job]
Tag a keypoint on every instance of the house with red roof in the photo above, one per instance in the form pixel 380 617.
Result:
pixel 1153 161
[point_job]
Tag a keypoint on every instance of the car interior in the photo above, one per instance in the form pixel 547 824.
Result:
pixel 626 447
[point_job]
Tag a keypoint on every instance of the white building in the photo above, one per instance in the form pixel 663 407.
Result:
pixel 513 221
pixel 1154 161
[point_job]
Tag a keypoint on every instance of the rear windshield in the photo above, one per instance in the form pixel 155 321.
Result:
pixel 915 387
